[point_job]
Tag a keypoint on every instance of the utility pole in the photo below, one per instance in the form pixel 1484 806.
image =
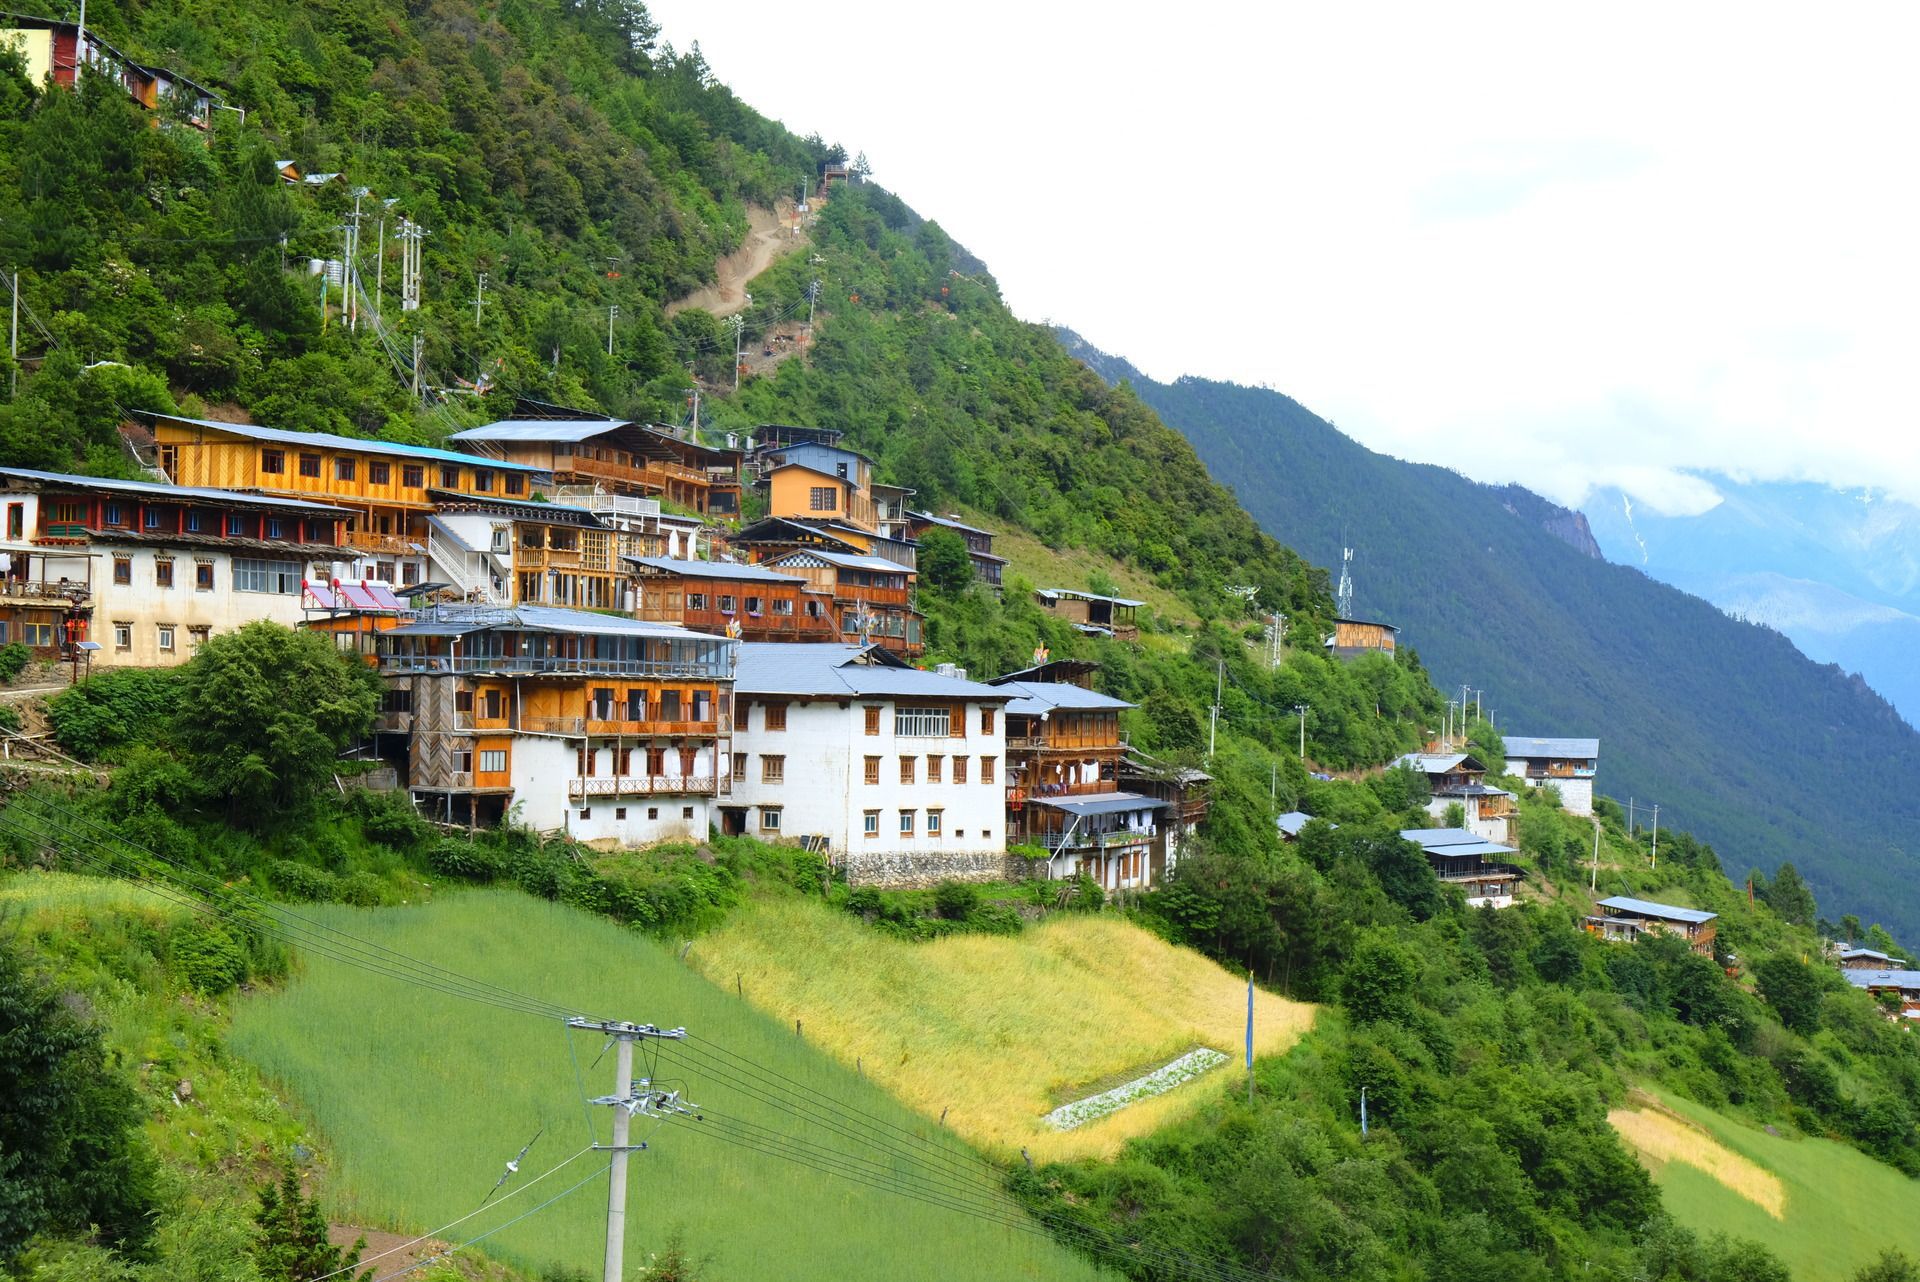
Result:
pixel 613 310
pixel 1630 827
pixel 13 337
pixel 79 44
pixel 479 297
pixel 1593 882
pixel 1301 708
pixel 626 1101
pixel 813 296
pixel 1219 688
pixel 380 262
pixel 418 341
pixel 1656 835
pixel 350 277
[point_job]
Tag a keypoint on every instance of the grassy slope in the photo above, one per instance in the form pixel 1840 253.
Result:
pixel 1001 1029
pixel 423 1099
pixel 1842 1209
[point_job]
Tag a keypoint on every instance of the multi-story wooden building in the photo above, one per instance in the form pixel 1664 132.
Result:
pixel 748 602
pixel 1568 766
pixel 986 566
pixel 623 457
pixel 1469 861
pixel 505 552
pixel 1188 794
pixel 1064 758
pixel 1898 990
pixel 1458 779
pixel 896 774
pixel 642 526
pixel 1623 920
pixel 872 598
pixel 148 571
pixel 388 488
pixel 606 728
pixel 1092 613
pixel 54 52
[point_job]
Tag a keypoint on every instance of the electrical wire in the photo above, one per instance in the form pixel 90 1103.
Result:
pixel 480 1237
pixel 428 1237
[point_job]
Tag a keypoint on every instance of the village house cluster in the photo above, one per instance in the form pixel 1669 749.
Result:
pixel 577 631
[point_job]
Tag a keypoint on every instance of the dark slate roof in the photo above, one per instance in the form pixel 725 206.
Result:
pixel 159 490
pixel 329 441
pixel 1665 912
pixel 1529 749
pixel 839 670
pixel 714 570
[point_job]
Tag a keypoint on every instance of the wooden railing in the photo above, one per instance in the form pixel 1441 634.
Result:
pixel 619 726
pixel 369 541
pixel 644 786
pixel 65 590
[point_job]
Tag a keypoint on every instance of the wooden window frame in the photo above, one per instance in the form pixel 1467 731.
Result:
pixel 773 767
pixel 873 770
pixel 907 769
pixel 775 717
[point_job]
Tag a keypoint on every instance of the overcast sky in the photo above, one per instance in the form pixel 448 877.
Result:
pixel 1564 245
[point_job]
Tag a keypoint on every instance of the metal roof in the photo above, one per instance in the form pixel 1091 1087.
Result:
pixel 327 440
pixel 1368 623
pixel 1904 979
pixel 714 569
pixel 809 668
pixel 1055 593
pixel 161 490
pixel 1294 820
pixel 1434 763
pixel 948 522
pixel 841 560
pixel 1527 749
pixel 534 429
pixel 1647 908
pixel 560 512
pixel 1847 954
pixel 1108 803
pixel 454 621
pixel 1038 698
pixel 1433 837
pixel 1478 850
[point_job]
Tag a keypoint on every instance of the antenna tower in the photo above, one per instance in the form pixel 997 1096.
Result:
pixel 1343 599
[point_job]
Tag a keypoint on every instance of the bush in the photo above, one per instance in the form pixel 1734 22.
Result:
pixel 362 890
pixel 116 707
pixel 389 818
pixel 956 900
pixel 467 860
pixel 207 956
pixel 14 658
pixel 301 881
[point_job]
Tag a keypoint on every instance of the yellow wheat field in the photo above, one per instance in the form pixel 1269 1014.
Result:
pixel 1662 1137
pixel 997 1031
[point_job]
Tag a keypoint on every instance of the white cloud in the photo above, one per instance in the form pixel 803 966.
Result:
pixel 1534 243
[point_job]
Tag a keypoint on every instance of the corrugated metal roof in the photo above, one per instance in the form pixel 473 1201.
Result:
pixel 1294 820
pixel 1906 979
pixel 457 621
pixel 1434 837
pixel 1432 763
pixel 948 522
pixel 1477 850
pixel 560 512
pixel 1848 954
pixel 715 569
pixel 329 441
pixel 533 429
pixel 1037 698
pixel 161 490
pixel 1526 749
pixel 1369 623
pixel 1104 804
pixel 789 667
pixel 1647 908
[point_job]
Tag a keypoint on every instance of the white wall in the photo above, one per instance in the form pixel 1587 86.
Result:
pixel 543 767
pixel 146 606
pixel 825 792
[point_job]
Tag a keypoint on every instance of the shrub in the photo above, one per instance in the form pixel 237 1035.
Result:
pixel 301 881
pixel 207 956
pixel 389 818
pixel 468 860
pixel 116 707
pixel 14 658
pixel 362 890
pixel 956 900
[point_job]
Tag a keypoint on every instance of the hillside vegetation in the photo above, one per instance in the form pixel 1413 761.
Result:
pixel 460 1088
pixel 1740 738
pixel 1001 1030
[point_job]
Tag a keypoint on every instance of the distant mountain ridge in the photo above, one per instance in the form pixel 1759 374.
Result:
pixel 1837 570
pixel 1736 734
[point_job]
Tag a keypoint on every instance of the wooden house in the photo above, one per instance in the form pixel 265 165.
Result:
pixel 1898 989
pixel 1188 794
pixel 1469 861
pixel 389 489
pixel 987 567
pixel 623 457
pixel 514 552
pixel 1568 766
pixel 749 602
pixel 1623 920
pixel 606 728
pixel 55 52
pixel 872 598
pixel 1354 637
pixel 1092 613
pixel 1064 795
pixel 1867 959
pixel 1458 778
pixel 148 572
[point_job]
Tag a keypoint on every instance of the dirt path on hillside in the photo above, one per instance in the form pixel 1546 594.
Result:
pixel 769 236
pixel 393 1253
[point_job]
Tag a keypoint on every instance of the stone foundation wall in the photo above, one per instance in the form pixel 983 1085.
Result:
pixel 915 869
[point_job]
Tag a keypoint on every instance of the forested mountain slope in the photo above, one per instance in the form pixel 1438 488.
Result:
pixel 1736 735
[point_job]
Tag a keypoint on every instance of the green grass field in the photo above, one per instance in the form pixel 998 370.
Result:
pixel 1842 1207
pixel 422 1099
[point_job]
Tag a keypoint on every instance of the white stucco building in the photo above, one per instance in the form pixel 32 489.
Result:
pixel 898 774
pixel 1566 765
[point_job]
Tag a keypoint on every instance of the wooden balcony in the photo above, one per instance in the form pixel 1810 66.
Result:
pixel 655 476
pixel 61 593
pixel 369 541
pixel 646 786
pixel 613 727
